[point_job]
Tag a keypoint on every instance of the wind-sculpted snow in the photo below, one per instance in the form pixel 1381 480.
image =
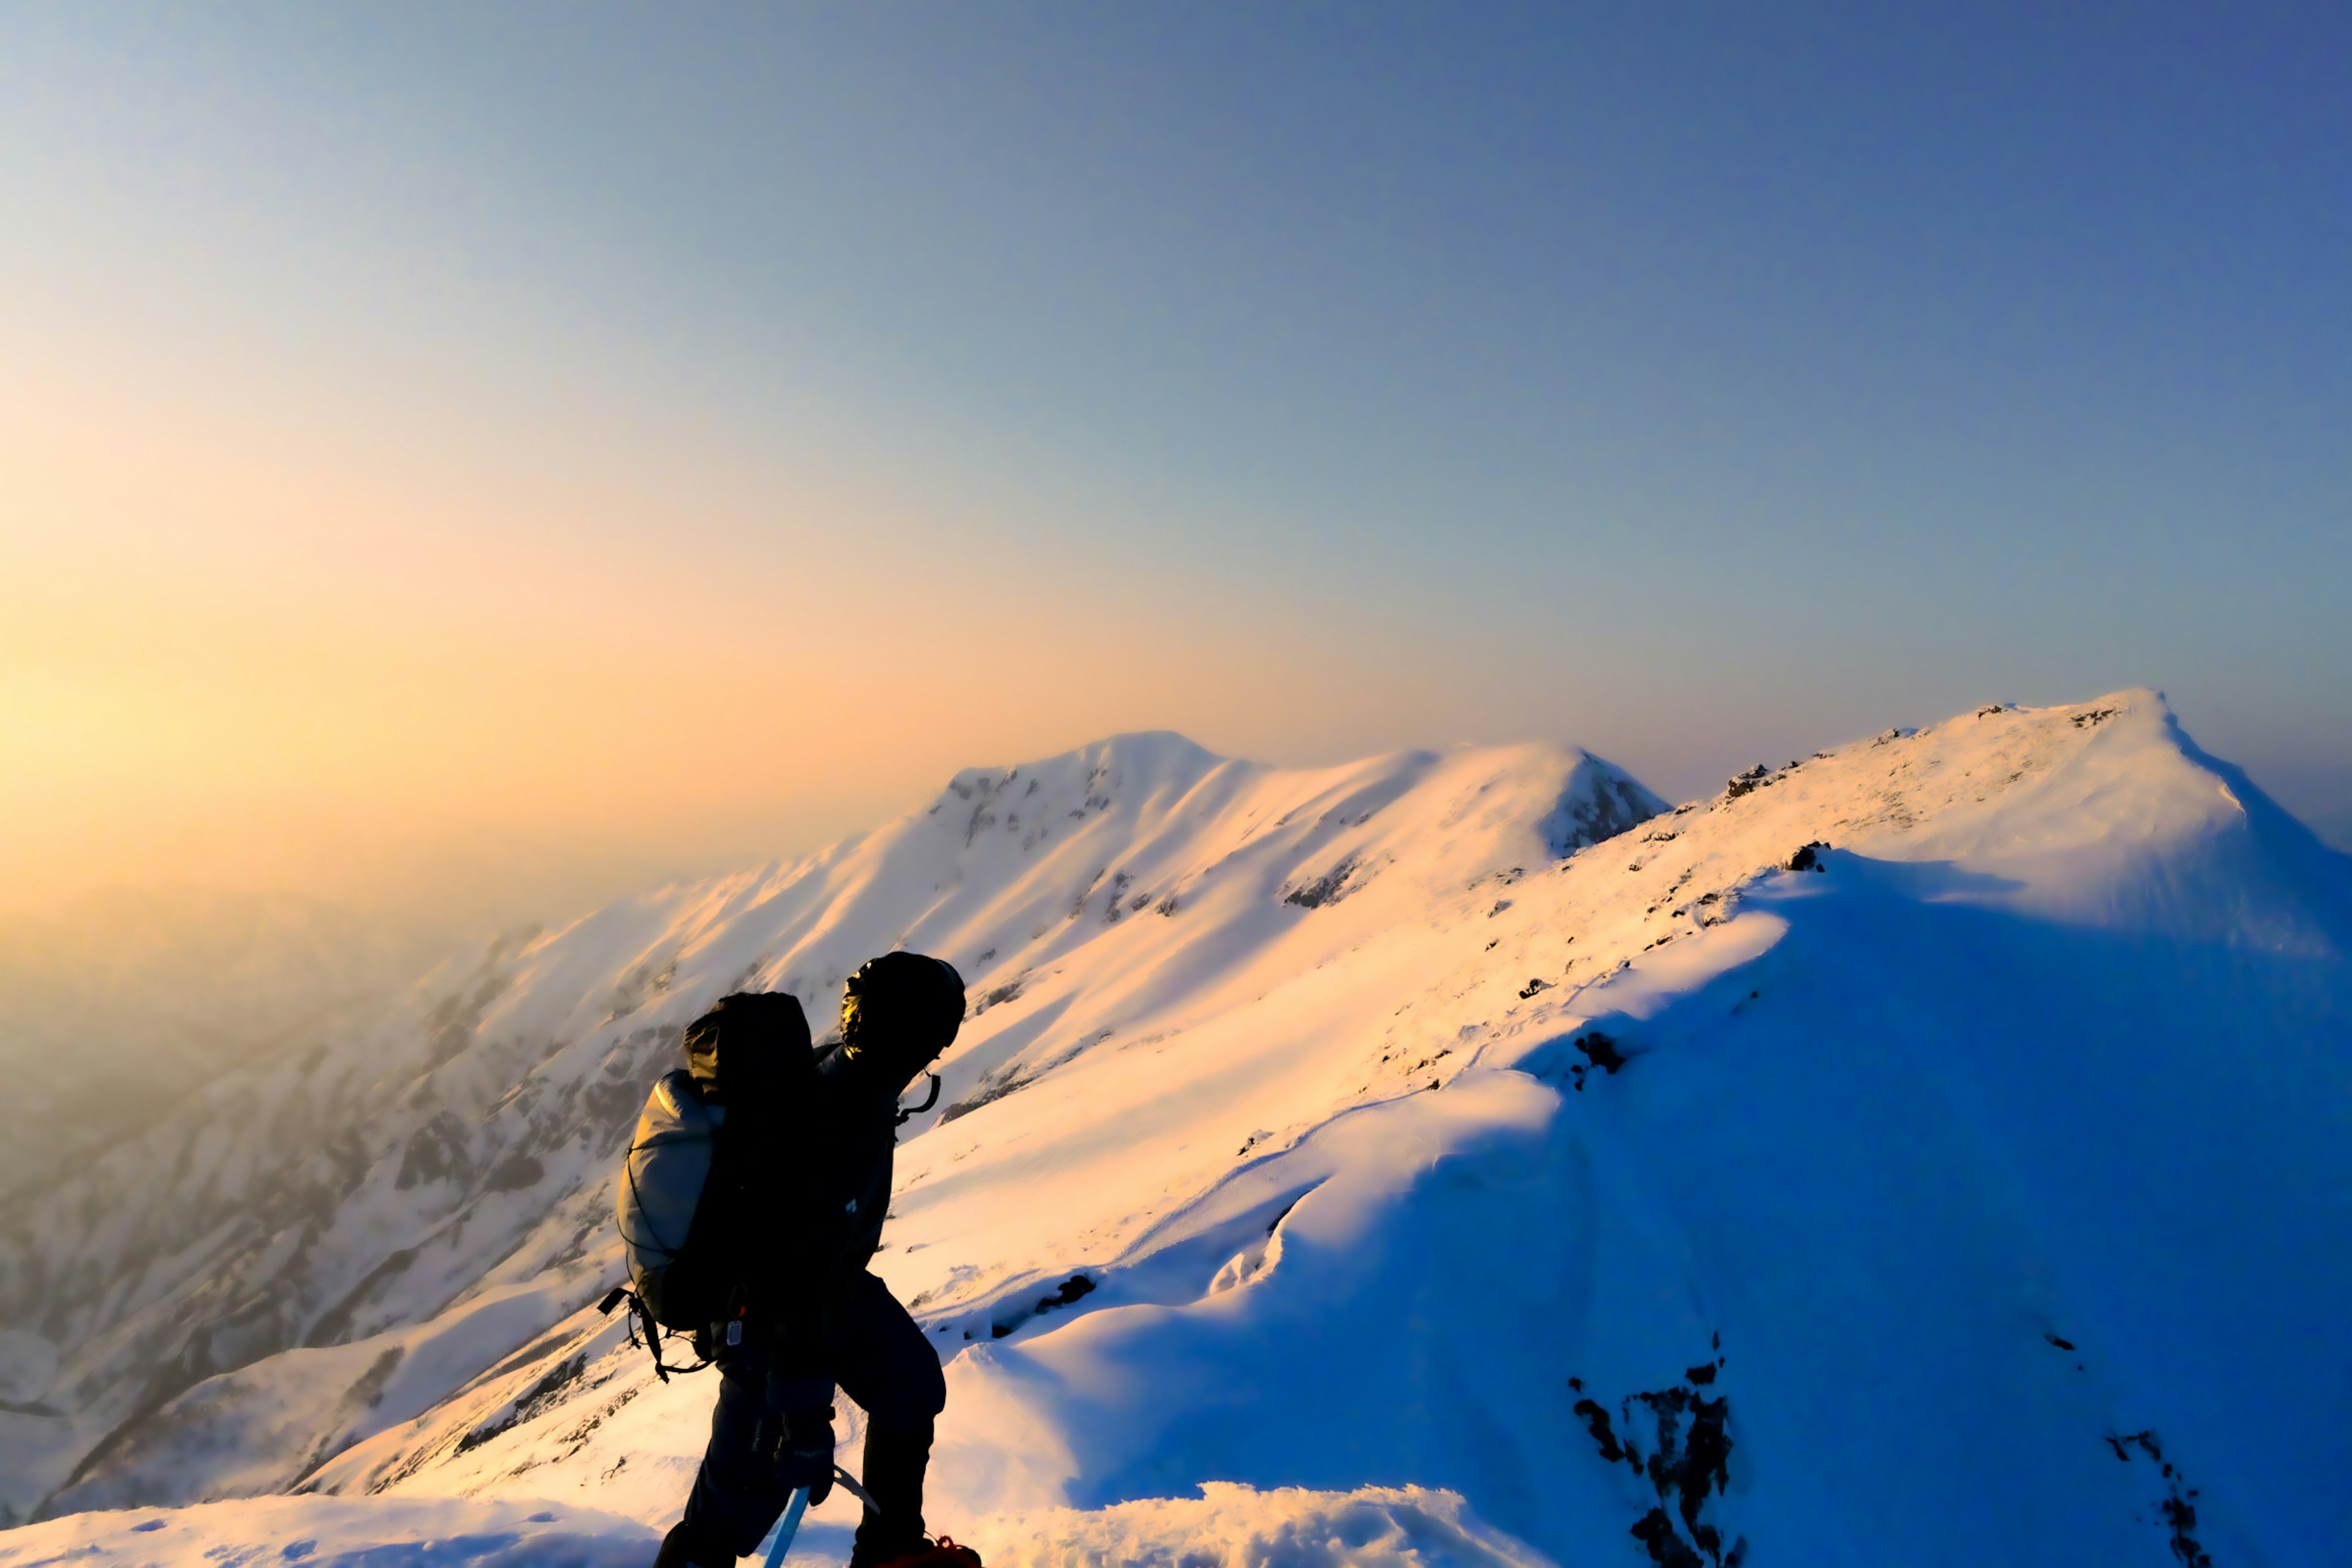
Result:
pixel 1226 1527
pixel 464 1146
pixel 1930 1151
pixel 333 1532
pixel 1230 1526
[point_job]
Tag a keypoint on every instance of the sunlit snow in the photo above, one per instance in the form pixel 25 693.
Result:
pixel 1452 1157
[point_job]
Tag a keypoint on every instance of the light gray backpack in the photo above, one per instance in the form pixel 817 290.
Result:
pixel 661 1186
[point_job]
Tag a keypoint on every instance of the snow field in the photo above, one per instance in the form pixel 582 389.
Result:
pixel 1232 1526
pixel 1970 1195
pixel 336 1533
pixel 1227 1525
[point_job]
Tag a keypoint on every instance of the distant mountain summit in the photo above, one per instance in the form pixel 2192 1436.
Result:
pixel 1927 1149
pixel 460 1146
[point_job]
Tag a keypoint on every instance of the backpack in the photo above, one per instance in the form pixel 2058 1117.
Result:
pixel 662 1182
pixel 687 1198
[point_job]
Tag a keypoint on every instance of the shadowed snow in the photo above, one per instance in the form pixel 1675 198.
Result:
pixel 1969 1193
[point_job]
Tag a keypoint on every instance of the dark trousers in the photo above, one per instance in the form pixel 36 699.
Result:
pixel 869 1347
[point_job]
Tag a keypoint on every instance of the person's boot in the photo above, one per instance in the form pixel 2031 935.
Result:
pixel 896 1459
pixel 681 1547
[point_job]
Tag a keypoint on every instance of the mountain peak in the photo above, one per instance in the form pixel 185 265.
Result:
pixel 1484 1051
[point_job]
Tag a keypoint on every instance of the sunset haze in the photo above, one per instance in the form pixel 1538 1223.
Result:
pixel 499 458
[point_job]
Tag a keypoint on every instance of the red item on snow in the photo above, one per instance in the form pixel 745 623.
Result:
pixel 940 1553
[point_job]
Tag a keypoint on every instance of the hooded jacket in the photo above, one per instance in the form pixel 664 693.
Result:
pixel 801 1176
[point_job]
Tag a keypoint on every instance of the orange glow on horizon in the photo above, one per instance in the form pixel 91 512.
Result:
pixel 231 658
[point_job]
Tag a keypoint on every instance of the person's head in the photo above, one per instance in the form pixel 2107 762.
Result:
pixel 899 1012
pixel 746 1042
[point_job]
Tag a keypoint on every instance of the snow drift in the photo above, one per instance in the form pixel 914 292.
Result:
pixel 1931 1150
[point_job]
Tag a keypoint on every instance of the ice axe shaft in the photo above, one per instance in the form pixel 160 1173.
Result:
pixel 788 1528
pixel 790 1525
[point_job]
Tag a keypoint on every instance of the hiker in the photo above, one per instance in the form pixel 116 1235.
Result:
pixel 798 1186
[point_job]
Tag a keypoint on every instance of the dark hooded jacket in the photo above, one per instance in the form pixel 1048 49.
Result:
pixel 860 1109
pixel 800 1182
pixel 898 1012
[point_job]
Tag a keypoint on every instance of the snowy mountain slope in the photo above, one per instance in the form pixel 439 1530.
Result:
pixel 333 1533
pixel 1931 1140
pixel 118 1005
pixel 368 1196
pixel 1985 1166
pixel 1978 1196
pixel 1374 1526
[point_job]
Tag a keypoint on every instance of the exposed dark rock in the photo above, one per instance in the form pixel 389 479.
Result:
pixel 1328 889
pixel 545 1392
pixel 1600 1050
pixel 1072 1289
pixel 1656 1532
pixel 998 995
pixel 434 1152
pixel 1615 805
pixel 1596 1422
pixel 985 1093
pixel 2179 1512
pixel 1689 1462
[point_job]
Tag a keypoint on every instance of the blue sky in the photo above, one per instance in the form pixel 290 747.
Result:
pixel 1699 383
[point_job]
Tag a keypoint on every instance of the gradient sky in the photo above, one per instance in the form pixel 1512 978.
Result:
pixel 497 456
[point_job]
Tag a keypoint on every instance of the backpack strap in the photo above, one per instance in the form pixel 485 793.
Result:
pixel 907 1115
pixel 641 1316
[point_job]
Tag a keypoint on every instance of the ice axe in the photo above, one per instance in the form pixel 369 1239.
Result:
pixel 790 1524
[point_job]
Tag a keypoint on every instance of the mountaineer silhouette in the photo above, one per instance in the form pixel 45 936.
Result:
pixel 752 1199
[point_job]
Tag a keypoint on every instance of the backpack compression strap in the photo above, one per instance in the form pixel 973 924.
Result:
pixel 907 1115
pixel 642 1315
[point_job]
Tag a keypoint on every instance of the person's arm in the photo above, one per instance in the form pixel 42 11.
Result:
pixel 862 1113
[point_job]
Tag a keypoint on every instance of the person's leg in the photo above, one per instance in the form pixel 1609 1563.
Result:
pixel 885 1363
pixel 737 1495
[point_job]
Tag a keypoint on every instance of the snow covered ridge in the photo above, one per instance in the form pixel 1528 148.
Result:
pixel 1373 1527
pixel 309 1250
pixel 1975 1192
pixel 333 1532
